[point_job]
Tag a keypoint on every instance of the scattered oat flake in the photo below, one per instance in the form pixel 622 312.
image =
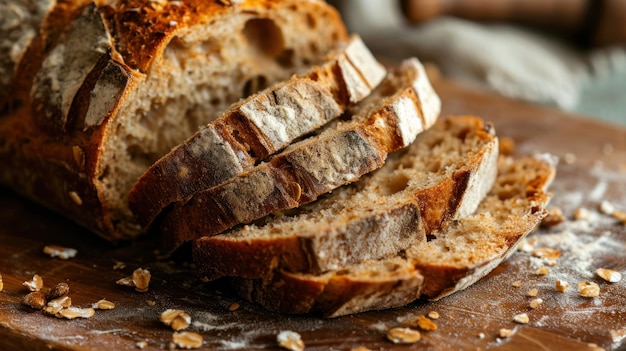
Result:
pixel 516 284
pixel 561 285
pixel 235 306
pixel 433 315
pixel 75 312
pixel 609 275
pixel 360 348
pixel 59 290
pixel 606 207
pixel 535 303
pixel 103 305
pixel 532 292
pixel 620 215
pixel 425 324
pixel 582 214
pixel 126 281
pixel 141 344
pixel 187 340
pixel 141 279
pixel 1 283
pixel 151 303
pixel 35 284
pixel 119 265
pixel 35 299
pixel 64 253
pixel 290 340
pixel 543 271
pixel 521 318
pixel 403 335
pixel 588 289
pixel 176 319
pixel 528 244
pixel 547 253
pixel 55 306
pixel 505 333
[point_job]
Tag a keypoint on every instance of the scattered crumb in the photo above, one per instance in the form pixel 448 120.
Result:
pixel 35 284
pixel 505 333
pixel 532 292
pixel 543 271
pixel 425 324
pixel 187 340
pixel 582 213
pixel 528 244
pixel 588 289
pixel 561 285
pixel 617 335
pixel 55 306
pixel 290 340
pixel 535 303
pixel 481 336
pixel 433 315
pixel 555 217
pixel 64 253
pixel 360 348
pixel 235 306
pixel 547 253
pixel 609 275
pixel 1 283
pixel 403 335
pixel 620 215
pixel 119 265
pixel 521 318
pixel 151 303
pixel 516 284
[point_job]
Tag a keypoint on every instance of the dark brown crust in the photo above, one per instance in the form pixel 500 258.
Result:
pixel 41 163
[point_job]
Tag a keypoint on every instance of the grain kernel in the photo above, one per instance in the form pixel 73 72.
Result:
pixel 187 340
pixel 588 289
pixel 609 275
pixel 535 303
pixel 532 292
pixel 505 333
pixel 290 340
pixel 403 335
pixel 233 307
pixel 433 315
pixel 521 318
pixel 561 285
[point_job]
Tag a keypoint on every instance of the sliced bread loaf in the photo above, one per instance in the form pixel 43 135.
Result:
pixel 400 108
pixel 442 176
pixel 104 89
pixel 457 257
pixel 257 127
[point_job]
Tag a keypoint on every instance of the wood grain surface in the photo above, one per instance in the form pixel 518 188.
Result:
pixel 469 320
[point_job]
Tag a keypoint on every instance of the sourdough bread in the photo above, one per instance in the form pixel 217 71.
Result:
pixel 257 127
pixel 441 177
pixel 104 89
pixel 400 108
pixel 457 257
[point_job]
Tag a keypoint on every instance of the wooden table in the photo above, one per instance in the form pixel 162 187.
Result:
pixel 595 170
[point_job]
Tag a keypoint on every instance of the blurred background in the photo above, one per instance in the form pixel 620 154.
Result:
pixel 570 54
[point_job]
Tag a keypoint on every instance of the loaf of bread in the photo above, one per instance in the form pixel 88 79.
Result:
pixel 257 127
pixel 452 260
pixel 93 93
pixel 441 177
pixel 389 119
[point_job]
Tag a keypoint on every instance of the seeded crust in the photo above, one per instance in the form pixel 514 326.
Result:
pixel 442 176
pixel 397 111
pixel 257 127
pixel 459 256
pixel 104 89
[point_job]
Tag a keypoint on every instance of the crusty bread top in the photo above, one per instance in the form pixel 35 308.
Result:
pixel 442 176
pixel 460 255
pixel 256 127
pixel 104 89
pixel 386 121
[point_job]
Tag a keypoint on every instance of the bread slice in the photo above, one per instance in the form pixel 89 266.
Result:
pixel 456 258
pixel 104 89
pixel 400 108
pixel 257 127
pixel 441 177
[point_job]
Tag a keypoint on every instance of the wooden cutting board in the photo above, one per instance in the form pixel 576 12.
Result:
pixel 595 171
